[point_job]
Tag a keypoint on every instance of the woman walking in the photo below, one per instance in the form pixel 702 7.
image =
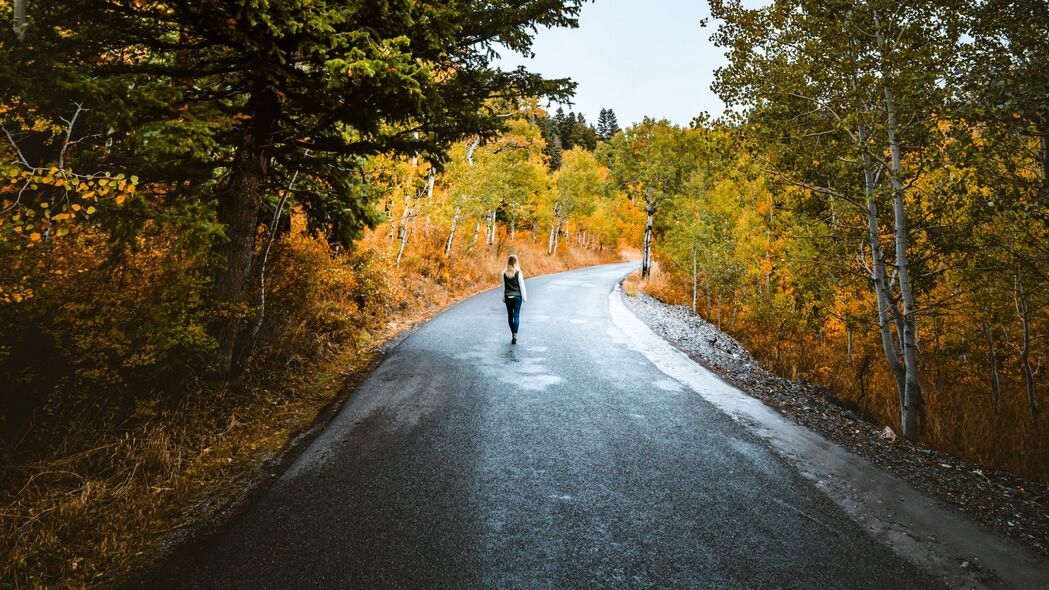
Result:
pixel 514 294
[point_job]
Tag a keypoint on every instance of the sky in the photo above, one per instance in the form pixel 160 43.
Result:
pixel 639 57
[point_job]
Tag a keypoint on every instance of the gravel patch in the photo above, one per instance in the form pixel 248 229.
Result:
pixel 996 499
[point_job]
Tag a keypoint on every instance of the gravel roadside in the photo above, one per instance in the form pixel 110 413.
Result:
pixel 995 499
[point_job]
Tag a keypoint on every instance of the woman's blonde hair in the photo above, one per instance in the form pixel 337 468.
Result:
pixel 512 266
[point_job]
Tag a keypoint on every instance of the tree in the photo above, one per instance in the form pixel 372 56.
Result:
pixel 1005 75
pixel 238 94
pixel 852 91
pixel 577 186
pixel 651 160
pixel 607 125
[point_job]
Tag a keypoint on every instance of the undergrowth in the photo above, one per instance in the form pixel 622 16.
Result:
pixel 961 417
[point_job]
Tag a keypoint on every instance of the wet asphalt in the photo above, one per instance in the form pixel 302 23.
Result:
pixel 566 461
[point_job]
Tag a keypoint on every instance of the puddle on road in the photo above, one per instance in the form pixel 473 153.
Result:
pixel 512 366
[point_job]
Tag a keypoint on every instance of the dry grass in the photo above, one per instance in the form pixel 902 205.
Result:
pixel 84 518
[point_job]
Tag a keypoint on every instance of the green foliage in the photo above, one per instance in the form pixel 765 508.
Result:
pixel 572 130
pixel 607 125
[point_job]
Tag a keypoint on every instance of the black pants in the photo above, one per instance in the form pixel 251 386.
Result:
pixel 513 312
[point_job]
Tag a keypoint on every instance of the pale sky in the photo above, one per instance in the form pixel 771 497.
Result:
pixel 639 57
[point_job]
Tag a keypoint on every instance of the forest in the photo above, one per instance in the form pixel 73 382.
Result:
pixel 213 214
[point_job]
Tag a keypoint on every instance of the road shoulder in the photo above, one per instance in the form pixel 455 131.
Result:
pixel 938 540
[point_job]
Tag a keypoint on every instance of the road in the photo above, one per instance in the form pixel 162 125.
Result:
pixel 566 461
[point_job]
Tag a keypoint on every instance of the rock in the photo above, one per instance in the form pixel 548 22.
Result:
pixel 888 434
pixel 850 415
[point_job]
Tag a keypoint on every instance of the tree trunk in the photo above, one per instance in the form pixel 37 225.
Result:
pixel 20 18
pixel 233 258
pixel 260 312
pixel 1025 352
pixel 451 235
pixel 489 229
pixel 513 227
pixel 646 248
pixel 555 226
pixel 913 405
pixel 402 228
pixel 404 239
pixel 880 279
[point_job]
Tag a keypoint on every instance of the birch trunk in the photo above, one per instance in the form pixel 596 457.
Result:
pixel 451 235
pixel 646 249
pixel 20 18
pixel 260 312
pixel 489 231
pixel 554 226
pixel 880 278
pixel 404 240
pixel 913 405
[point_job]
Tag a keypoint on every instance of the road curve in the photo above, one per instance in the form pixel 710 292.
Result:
pixel 566 461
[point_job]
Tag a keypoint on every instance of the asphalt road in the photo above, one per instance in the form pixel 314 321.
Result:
pixel 566 461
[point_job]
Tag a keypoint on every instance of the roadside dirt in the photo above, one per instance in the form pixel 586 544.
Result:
pixel 995 499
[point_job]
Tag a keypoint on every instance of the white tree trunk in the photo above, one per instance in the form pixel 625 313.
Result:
pixel 404 242
pixel 913 404
pixel 555 226
pixel 20 18
pixel 879 278
pixel 646 248
pixel 451 235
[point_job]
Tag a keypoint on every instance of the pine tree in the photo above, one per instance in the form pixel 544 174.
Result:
pixel 582 134
pixel 607 125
